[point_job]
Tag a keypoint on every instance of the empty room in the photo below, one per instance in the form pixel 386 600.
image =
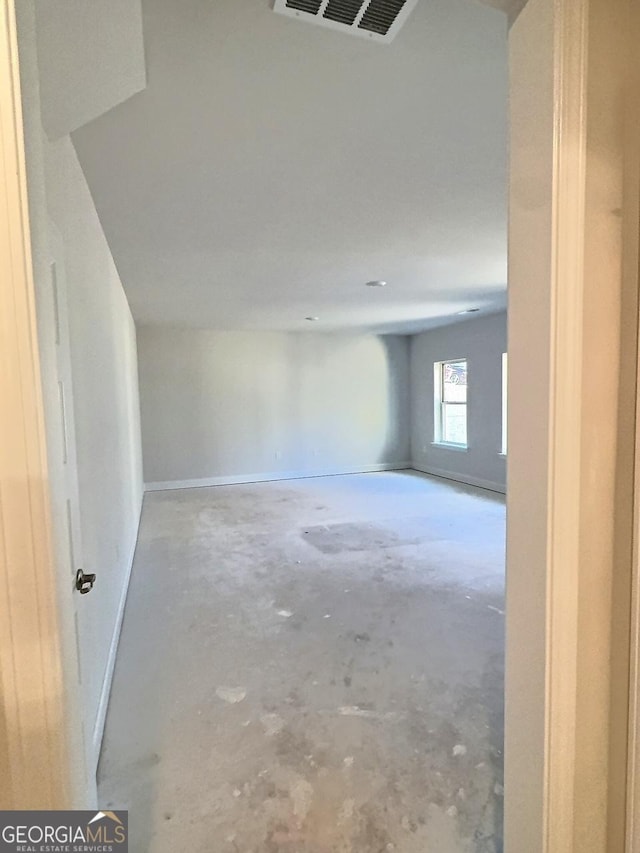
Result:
pixel 269 244
pixel 263 407
pixel 320 658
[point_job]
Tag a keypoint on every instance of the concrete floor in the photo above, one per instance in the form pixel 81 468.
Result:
pixel 312 666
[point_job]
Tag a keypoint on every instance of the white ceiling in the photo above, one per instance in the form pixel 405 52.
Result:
pixel 270 168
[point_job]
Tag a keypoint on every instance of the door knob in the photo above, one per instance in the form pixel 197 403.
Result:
pixel 84 583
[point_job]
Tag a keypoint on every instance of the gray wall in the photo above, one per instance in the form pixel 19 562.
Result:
pixel 232 405
pixel 482 341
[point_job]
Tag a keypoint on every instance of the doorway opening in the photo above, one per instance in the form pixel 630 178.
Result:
pixel 211 439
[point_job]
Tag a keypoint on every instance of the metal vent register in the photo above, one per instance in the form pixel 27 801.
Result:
pixel 378 20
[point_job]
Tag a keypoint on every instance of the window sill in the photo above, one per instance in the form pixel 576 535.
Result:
pixel 459 448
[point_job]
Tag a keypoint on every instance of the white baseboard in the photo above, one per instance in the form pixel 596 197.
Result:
pixel 237 479
pixel 103 704
pixel 461 478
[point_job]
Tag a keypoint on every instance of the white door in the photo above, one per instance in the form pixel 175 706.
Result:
pixel 85 603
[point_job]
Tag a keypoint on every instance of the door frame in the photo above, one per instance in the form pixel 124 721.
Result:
pixel 633 773
pixel 573 301
pixel 550 633
pixel 33 742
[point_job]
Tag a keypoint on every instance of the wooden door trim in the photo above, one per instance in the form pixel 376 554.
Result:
pixel 568 551
pixel 633 271
pixel 33 745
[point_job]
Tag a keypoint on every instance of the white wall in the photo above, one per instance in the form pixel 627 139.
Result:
pixel 481 341
pixel 106 408
pixel 531 216
pixel 104 364
pixel 233 405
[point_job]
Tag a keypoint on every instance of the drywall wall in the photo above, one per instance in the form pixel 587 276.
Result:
pixel 531 229
pixel 87 342
pixel 227 406
pixel 106 412
pixel 481 341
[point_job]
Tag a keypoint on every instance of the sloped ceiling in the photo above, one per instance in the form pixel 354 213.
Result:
pixel 511 7
pixel 90 58
pixel 270 168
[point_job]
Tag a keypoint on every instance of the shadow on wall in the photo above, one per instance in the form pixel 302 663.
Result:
pixel 397 359
pixel 327 402
pixel 344 403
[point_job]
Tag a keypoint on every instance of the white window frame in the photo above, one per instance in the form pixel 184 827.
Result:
pixel 439 404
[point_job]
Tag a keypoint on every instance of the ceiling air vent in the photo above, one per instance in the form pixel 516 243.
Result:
pixel 378 20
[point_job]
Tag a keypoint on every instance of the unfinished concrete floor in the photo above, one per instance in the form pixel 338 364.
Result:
pixel 312 666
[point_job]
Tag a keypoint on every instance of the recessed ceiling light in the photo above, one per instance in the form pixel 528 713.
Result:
pixel 312 319
pixel 469 311
pixel 376 283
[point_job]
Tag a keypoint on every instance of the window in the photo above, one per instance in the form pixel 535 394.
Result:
pixel 503 449
pixel 450 421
